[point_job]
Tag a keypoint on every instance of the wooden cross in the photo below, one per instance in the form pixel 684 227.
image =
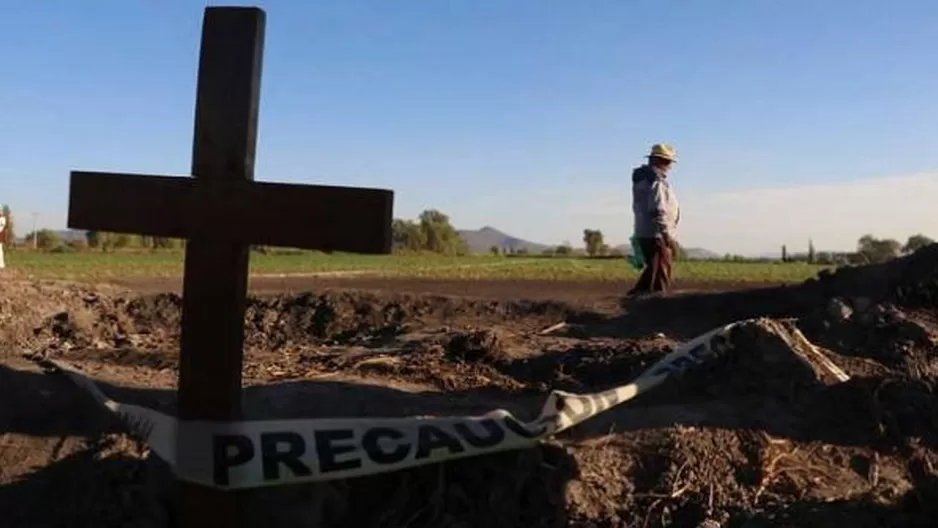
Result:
pixel 221 211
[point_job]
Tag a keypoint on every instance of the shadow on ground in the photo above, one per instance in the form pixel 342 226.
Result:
pixel 107 480
pixel 687 315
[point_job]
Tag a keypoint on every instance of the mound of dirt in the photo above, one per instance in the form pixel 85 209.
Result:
pixel 28 304
pixel 909 282
pixel 763 358
pixel 487 345
pixel 279 321
pixel 901 340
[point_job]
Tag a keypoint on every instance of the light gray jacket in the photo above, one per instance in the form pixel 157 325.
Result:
pixel 657 212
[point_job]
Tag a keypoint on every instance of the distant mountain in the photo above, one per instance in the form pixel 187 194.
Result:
pixel 701 254
pixel 482 240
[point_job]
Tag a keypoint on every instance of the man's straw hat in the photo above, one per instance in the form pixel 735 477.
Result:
pixel 663 151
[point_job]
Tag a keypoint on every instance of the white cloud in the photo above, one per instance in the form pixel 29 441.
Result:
pixel 748 221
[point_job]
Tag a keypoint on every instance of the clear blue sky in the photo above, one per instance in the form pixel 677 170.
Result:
pixel 523 114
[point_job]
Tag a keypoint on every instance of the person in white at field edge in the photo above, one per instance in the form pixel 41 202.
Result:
pixel 3 237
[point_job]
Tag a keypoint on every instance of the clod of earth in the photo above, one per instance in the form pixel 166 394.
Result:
pixel 762 436
pixel 493 346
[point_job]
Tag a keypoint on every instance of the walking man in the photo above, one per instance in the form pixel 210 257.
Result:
pixel 657 215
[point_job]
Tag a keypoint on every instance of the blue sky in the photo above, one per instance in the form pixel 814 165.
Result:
pixel 793 119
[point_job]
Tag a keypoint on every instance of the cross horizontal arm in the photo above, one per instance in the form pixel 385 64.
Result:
pixel 319 217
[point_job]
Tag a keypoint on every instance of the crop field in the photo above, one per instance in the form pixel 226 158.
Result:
pixel 107 266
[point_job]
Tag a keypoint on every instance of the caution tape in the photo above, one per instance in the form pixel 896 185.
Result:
pixel 251 454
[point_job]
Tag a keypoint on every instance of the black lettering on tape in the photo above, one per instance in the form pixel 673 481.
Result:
pixel 574 416
pixel 229 451
pixel 372 446
pixel 592 404
pixel 611 397
pixel 522 430
pixel 602 401
pixel 599 403
pixel 327 450
pixel 430 437
pixel 271 457
pixel 495 433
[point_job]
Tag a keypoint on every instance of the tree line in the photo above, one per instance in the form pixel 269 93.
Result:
pixel 433 232
pixel 869 250
pixel 49 240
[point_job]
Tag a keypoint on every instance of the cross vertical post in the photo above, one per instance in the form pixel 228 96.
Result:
pixel 221 211
pixel 216 270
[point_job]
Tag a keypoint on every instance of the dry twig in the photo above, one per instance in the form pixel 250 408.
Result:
pixel 553 328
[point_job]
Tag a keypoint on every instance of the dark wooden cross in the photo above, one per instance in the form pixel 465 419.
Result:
pixel 221 211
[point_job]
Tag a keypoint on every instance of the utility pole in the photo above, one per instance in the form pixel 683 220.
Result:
pixel 35 234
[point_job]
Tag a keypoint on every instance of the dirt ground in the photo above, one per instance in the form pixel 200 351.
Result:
pixel 576 292
pixel 750 439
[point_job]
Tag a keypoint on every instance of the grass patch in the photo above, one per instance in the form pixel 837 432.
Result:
pixel 95 266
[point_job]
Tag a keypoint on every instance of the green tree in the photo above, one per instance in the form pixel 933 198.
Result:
pixel 112 241
pixel 164 243
pixel 495 250
pixel 784 253
pixel 431 232
pixel 121 240
pixel 872 249
pixel 93 238
pixel 77 244
pixel 593 239
pixel 825 258
pixel 441 236
pixel 9 233
pixel 811 255
pixel 141 241
pixel 46 239
pixel 407 235
pixel 916 242
pixel 563 250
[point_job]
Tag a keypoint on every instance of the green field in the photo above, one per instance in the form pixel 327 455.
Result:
pixel 108 266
